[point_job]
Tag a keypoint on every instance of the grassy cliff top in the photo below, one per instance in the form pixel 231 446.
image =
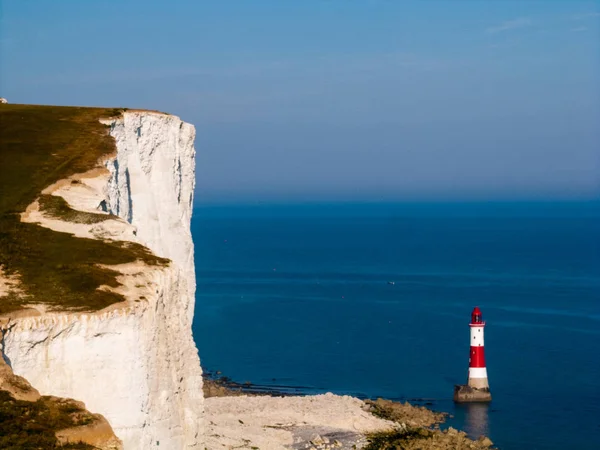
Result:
pixel 40 145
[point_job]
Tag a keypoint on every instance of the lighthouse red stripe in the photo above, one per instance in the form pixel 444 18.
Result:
pixel 477 358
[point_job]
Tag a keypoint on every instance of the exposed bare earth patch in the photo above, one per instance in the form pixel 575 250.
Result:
pixel 9 284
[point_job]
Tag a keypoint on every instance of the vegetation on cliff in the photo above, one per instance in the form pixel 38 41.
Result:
pixel 33 424
pixel 40 145
pixel 29 420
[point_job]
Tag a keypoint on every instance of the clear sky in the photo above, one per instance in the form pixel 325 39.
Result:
pixel 336 100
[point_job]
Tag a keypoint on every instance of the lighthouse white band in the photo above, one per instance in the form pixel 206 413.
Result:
pixel 476 336
pixel 477 372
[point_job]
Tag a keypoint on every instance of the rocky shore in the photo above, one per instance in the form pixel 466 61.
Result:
pixel 241 416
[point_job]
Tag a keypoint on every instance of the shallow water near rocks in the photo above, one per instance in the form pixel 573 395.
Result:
pixel 297 298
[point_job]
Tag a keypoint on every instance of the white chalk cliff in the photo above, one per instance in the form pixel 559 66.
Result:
pixel 135 362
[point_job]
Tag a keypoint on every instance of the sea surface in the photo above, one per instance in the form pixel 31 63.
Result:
pixel 296 297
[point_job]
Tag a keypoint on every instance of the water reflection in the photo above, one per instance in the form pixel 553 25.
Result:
pixel 476 419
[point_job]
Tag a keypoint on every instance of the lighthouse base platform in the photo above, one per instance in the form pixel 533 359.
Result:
pixel 466 394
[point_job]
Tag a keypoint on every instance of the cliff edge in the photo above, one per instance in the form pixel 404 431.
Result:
pixel 96 266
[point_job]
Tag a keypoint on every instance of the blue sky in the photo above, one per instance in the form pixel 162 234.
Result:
pixel 336 100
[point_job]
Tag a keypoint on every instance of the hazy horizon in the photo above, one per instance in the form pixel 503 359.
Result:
pixel 337 101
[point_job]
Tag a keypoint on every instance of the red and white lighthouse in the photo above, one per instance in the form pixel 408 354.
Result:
pixel 477 372
pixel 477 388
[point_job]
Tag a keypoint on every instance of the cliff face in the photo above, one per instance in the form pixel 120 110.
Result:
pixel 134 362
pixel 151 185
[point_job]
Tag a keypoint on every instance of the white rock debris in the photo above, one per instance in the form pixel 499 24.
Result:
pixel 135 362
pixel 277 423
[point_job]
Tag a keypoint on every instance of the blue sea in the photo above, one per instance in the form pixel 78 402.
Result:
pixel 296 297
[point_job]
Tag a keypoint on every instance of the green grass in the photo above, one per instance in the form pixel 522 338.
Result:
pixel 40 145
pixel 32 425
